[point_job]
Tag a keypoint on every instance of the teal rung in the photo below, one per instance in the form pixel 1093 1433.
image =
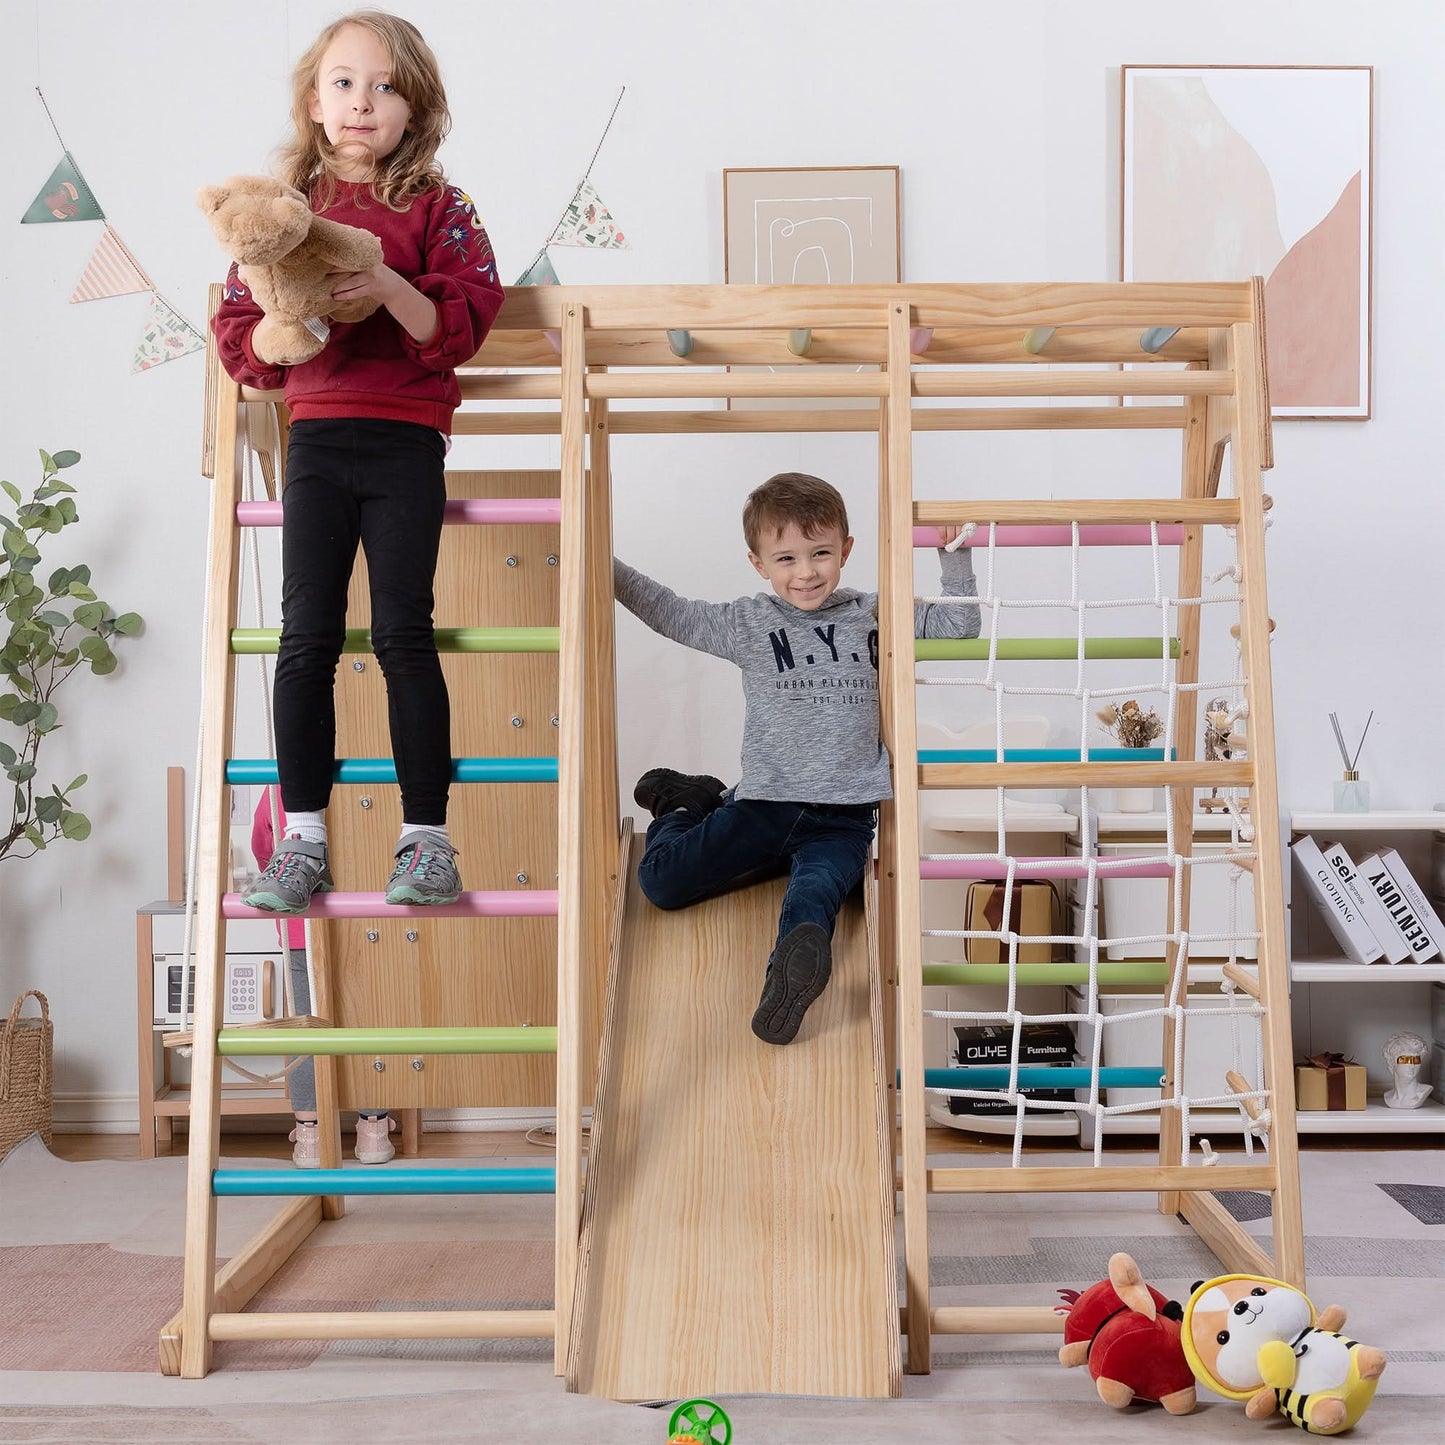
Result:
pixel 448 639
pixel 952 975
pixel 268 1042
pixel 383 770
pixel 1042 1076
pixel 1038 649
pixel 1044 755
pixel 395 1179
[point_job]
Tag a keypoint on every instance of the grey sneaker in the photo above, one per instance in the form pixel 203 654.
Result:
pixel 425 872
pixel 297 870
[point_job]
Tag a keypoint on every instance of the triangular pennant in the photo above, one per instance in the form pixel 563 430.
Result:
pixel 112 271
pixel 539 273
pixel 64 197
pixel 165 336
pixel 588 222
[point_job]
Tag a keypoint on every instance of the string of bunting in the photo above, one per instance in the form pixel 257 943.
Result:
pixel 585 221
pixel 112 269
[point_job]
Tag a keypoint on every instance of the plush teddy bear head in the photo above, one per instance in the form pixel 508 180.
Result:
pixel 287 255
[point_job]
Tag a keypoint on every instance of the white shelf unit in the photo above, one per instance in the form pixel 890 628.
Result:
pixel 1052 832
pixel 1352 1008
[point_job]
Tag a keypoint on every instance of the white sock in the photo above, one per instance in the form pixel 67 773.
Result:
pixel 437 830
pixel 308 826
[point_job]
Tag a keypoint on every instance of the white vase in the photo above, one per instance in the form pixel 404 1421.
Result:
pixel 1134 800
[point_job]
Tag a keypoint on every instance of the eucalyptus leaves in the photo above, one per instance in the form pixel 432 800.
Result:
pixel 54 628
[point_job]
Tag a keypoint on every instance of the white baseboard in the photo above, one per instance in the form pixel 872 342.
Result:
pixel 119 1114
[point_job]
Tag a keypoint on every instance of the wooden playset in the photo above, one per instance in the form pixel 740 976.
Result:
pixel 737 1228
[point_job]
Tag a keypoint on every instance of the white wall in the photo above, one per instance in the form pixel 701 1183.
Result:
pixel 1004 118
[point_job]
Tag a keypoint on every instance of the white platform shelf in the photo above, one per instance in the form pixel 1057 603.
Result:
pixel 1337 970
pixel 1408 820
pixel 1375 1118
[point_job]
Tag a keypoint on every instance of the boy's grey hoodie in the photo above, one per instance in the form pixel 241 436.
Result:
pixel 810 679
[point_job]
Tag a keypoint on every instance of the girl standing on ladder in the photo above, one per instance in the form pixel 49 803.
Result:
pixel 371 414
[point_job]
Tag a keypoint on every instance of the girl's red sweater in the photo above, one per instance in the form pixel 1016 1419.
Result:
pixel 373 368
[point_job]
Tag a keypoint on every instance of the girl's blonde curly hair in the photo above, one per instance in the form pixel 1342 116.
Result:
pixel 411 169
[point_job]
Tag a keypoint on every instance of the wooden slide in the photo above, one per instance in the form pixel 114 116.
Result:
pixel 737 1231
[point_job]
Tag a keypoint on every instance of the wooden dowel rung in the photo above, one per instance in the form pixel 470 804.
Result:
pixel 995 1320
pixel 1242 978
pixel 1240 1085
pixel 1122 511
pixel 1104 1180
pixel 387 1325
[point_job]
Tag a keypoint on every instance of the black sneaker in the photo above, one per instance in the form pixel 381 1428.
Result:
pixel 660 790
pixel 801 966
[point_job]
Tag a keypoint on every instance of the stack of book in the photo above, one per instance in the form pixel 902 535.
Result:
pixel 1375 908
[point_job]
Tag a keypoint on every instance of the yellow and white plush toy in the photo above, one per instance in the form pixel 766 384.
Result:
pixel 1256 1339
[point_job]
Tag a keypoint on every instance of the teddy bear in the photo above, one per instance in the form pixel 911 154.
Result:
pixel 285 255
pixel 1256 1339
pixel 1128 1336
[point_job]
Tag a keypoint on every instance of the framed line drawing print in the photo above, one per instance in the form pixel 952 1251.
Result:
pixel 1231 171
pixel 825 225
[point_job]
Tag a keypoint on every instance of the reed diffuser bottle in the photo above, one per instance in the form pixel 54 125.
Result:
pixel 1352 792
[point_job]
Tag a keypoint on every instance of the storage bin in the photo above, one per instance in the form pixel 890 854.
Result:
pixel 1139 906
pixel 1208 1042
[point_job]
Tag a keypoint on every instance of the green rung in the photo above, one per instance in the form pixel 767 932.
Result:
pixel 955 974
pixel 1038 649
pixel 448 639
pixel 267 1042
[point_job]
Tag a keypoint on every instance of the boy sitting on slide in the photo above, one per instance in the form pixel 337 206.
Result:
pixel 814 767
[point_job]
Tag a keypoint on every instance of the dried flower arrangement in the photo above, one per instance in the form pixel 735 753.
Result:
pixel 1131 724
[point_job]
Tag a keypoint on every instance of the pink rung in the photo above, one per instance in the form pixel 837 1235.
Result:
pixel 1029 868
pixel 1092 535
pixel 473 511
pixel 507 903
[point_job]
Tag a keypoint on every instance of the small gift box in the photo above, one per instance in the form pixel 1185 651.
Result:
pixel 1329 1081
pixel 1033 911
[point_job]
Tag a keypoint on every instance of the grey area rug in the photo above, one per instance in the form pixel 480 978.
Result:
pixel 1425 1201
pixel 1368 1249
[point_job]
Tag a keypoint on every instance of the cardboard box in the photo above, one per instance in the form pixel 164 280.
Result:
pixel 990 1044
pixel 1035 911
pixel 1339 1086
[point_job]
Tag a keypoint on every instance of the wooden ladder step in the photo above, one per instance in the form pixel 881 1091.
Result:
pixel 392 1179
pixel 387 1325
pixel 500 903
pixel 1199 774
pixel 263 1040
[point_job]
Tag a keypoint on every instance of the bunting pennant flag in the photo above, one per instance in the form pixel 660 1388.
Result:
pixel 64 197
pixel 540 272
pixel 112 271
pixel 587 222
pixel 165 336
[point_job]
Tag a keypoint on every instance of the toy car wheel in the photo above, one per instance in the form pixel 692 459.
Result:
pixel 707 1422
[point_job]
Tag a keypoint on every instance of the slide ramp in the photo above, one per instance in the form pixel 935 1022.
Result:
pixel 738 1221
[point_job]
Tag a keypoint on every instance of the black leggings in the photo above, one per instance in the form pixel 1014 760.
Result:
pixel 381 483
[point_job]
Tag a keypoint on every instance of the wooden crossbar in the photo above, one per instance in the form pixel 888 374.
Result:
pixel 659 385
pixel 387 1325
pixel 857 346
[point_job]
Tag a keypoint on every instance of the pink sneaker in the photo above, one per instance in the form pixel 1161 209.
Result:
pixel 372 1144
pixel 307 1153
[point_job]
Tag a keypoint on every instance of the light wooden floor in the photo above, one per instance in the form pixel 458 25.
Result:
pixel 512 1143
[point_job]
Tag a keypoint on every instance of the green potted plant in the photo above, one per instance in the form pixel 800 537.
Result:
pixel 51 628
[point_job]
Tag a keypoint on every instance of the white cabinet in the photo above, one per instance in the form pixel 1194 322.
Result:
pixel 253 990
pixel 1352 1008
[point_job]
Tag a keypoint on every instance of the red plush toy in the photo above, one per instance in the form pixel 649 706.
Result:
pixel 1128 1335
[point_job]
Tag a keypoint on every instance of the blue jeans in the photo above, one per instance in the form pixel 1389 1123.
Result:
pixel 823 847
